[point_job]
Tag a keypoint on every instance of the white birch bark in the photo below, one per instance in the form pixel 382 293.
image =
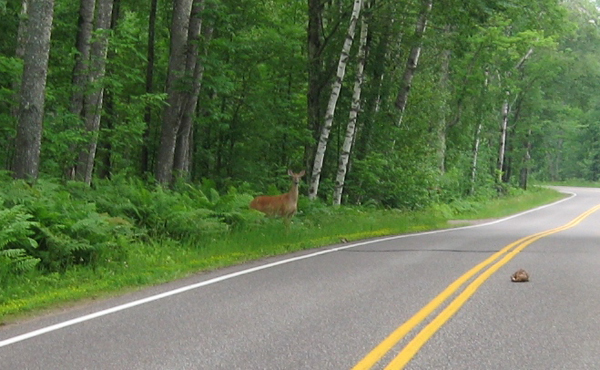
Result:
pixel 504 124
pixel 477 141
pixel 333 98
pixel 503 127
pixel 442 124
pixel 475 157
pixel 354 109
pixel 413 59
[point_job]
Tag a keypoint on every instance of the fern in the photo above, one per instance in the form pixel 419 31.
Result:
pixel 194 223
pixel 15 241
pixel 58 250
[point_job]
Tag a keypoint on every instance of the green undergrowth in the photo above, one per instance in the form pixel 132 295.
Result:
pixel 503 206
pixel 575 182
pixel 79 244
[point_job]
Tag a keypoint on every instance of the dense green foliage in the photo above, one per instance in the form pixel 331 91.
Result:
pixel 251 120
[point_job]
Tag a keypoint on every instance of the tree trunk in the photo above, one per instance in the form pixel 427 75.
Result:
pixel 16 83
pixel 526 162
pixel 104 162
pixel 503 168
pixel 335 92
pixel 442 124
pixel 172 113
pixel 382 54
pixel 475 157
pixel 477 140
pixel 82 58
pixel 354 109
pixel 503 130
pixel 33 88
pixel 413 59
pixel 315 75
pixel 80 78
pixel 93 100
pixel 194 69
pixel 149 86
pixel 19 52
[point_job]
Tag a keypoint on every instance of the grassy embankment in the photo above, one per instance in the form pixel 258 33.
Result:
pixel 157 261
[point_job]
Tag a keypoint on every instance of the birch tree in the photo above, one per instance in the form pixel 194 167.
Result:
pixel 413 59
pixel 33 89
pixel 333 98
pixel 477 138
pixel 504 114
pixel 441 126
pixel 503 129
pixel 352 119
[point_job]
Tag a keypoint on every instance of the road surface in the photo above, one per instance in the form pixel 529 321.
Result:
pixel 437 300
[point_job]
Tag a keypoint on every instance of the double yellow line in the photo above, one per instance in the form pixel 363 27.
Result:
pixel 410 350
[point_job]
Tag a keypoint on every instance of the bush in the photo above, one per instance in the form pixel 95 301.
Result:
pixel 392 183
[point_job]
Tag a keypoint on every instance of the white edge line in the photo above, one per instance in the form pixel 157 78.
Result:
pixel 169 293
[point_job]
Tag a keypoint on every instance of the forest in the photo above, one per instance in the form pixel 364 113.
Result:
pixel 170 116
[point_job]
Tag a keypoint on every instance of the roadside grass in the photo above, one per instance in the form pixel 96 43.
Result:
pixel 575 182
pixel 159 261
pixel 501 207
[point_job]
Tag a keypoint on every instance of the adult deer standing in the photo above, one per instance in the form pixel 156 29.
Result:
pixel 283 205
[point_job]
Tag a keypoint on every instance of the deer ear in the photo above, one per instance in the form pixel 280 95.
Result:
pixel 290 173
pixel 302 173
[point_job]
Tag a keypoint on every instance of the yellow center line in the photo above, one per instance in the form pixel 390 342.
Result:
pixel 413 346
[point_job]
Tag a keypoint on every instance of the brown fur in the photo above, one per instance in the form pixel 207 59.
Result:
pixel 284 205
pixel 520 276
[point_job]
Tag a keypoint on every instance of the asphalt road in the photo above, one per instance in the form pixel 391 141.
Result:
pixel 329 308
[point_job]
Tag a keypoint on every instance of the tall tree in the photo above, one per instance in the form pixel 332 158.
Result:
pixel 82 58
pixel 440 126
pixel 149 85
pixel 175 81
pixel 333 98
pixel 20 50
pixel 94 98
pixel 194 71
pixel 413 58
pixel 477 140
pixel 506 109
pixel 315 72
pixel 33 88
pixel 353 116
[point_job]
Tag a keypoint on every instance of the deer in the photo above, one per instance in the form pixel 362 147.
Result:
pixel 283 205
